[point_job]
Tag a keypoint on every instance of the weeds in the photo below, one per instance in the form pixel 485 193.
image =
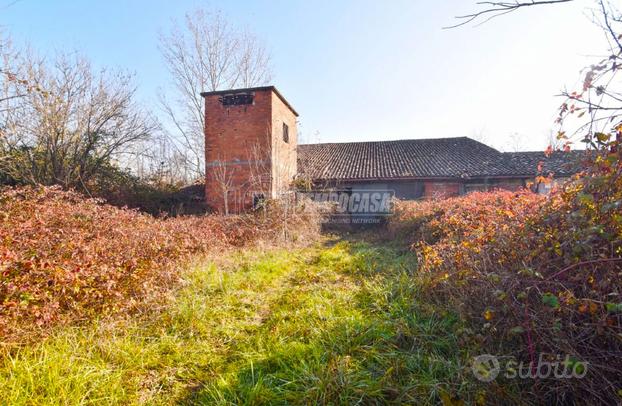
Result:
pixel 327 325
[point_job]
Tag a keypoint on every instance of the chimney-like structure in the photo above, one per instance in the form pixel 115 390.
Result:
pixel 250 147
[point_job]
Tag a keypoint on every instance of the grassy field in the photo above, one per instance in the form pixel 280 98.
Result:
pixel 338 323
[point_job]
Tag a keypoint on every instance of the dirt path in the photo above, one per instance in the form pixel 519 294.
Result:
pixel 337 323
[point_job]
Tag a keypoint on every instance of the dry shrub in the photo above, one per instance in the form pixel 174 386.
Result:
pixel 64 258
pixel 533 276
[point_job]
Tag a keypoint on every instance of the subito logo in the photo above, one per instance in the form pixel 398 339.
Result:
pixel 485 367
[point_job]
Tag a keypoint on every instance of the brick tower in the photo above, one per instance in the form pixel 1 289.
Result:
pixel 250 147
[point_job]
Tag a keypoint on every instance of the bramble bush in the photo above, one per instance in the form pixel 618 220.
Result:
pixel 65 258
pixel 533 275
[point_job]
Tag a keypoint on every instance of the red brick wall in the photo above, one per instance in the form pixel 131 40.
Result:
pixel 439 190
pixel 240 148
pixel 284 155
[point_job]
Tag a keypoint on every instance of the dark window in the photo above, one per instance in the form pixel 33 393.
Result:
pixel 236 99
pixel 407 190
pixel 259 200
pixel 285 133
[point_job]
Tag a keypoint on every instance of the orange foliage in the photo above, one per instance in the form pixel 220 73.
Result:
pixel 532 274
pixel 65 258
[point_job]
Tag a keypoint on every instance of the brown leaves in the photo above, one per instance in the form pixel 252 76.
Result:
pixel 550 273
pixel 548 151
pixel 66 258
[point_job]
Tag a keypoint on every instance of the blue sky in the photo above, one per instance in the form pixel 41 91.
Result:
pixel 356 70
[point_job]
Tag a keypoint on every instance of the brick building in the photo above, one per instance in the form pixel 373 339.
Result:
pixel 250 147
pixel 252 153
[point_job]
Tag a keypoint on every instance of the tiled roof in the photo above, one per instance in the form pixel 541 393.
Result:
pixel 422 158
pixel 559 162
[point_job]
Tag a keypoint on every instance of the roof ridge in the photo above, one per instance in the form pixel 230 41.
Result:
pixel 399 140
pixel 542 151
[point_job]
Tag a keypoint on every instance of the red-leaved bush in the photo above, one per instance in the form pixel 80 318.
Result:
pixel 65 258
pixel 533 277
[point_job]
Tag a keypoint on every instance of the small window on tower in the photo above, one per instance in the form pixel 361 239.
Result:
pixel 285 133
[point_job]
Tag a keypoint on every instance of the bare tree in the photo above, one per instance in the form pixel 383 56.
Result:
pixel 260 171
pixel 252 63
pixel 14 86
pixel 155 160
pixel 74 123
pixel 481 136
pixel 223 176
pixel 6 76
pixel 517 142
pixel 205 53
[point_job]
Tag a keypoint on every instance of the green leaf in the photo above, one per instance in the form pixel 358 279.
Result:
pixel 613 307
pixel 576 365
pixel 517 330
pixel 585 198
pixel 550 300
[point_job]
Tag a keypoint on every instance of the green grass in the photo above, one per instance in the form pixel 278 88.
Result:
pixel 332 324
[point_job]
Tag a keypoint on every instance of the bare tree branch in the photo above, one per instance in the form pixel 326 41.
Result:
pixel 607 24
pixel 66 134
pixel 206 54
pixel 497 9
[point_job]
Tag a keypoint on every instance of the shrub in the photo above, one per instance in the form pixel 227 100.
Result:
pixel 152 195
pixel 532 275
pixel 64 258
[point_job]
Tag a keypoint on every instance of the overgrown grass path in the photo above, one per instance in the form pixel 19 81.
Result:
pixel 337 323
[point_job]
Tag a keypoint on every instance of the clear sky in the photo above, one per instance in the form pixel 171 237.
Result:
pixel 356 70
